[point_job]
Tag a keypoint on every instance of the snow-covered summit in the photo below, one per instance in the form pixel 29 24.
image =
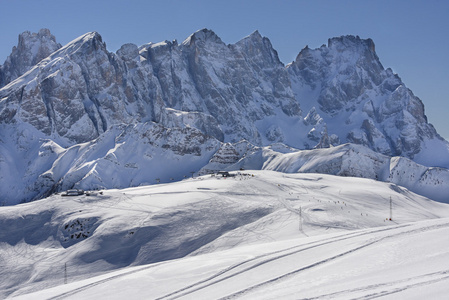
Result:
pixel 84 44
pixel 202 36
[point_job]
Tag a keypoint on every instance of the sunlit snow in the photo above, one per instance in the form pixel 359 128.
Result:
pixel 258 235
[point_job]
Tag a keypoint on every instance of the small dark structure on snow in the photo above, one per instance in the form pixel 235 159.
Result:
pixel 73 192
pixel 224 174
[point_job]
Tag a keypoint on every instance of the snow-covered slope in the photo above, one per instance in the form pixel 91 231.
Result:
pixel 210 237
pixel 123 156
pixel 207 94
pixel 362 264
pixel 344 160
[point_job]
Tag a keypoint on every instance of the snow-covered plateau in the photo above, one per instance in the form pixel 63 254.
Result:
pixel 256 235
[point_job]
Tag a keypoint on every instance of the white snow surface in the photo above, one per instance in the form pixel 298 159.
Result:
pixel 233 238
pixel 345 160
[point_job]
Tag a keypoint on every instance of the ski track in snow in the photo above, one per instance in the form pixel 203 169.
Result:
pixel 367 244
pixel 260 260
pixel 392 287
pixel 250 264
pixel 96 283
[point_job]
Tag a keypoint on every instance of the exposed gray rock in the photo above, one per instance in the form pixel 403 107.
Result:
pixel 31 49
pixel 348 82
pixel 68 115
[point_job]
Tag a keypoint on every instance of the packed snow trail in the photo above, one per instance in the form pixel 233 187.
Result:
pixel 255 262
pixel 369 243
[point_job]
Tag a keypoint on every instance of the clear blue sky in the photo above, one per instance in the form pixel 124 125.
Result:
pixel 411 36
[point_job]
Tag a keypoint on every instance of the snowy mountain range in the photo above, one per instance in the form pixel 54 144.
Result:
pixel 81 116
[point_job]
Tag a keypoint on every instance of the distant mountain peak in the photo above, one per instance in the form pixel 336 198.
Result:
pixel 255 42
pixel 87 43
pixel 202 35
pixel 253 38
pixel 358 47
pixel 350 41
pixel 27 36
pixel 128 51
pixel 90 37
pixel 30 50
pixel 255 35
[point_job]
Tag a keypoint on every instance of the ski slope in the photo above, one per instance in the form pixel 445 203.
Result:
pixel 263 235
pixel 408 261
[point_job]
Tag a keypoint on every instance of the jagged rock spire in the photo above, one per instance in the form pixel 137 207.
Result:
pixel 30 50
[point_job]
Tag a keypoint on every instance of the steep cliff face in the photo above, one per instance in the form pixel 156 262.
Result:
pixel 233 98
pixel 226 91
pixel 360 101
pixel 59 96
pixel 237 85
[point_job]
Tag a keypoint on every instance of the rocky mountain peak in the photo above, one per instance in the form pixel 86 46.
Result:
pixel 30 50
pixel 351 42
pixel 90 41
pixel 255 36
pixel 202 36
pixel 354 52
pixel 255 45
pixel 128 51
pixel 27 37
pixel 304 56
pixel 347 79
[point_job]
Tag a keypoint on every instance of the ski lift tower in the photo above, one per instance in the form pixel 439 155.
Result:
pixel 391 209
